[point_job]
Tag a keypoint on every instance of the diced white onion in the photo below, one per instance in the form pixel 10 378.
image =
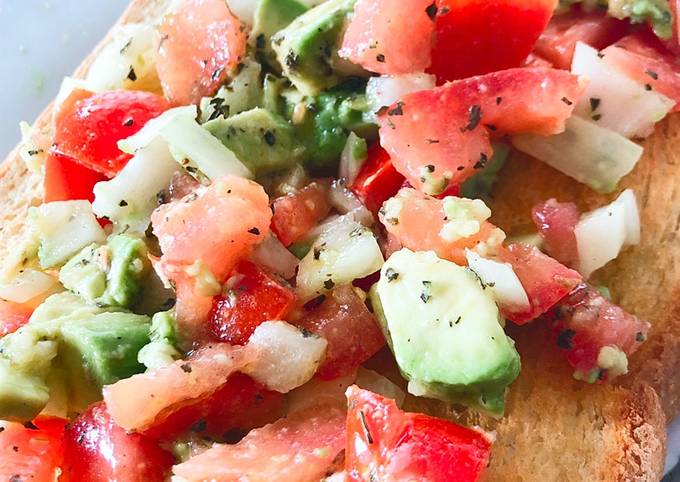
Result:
pixel 68 85
pixel 591 154
pixel 615 101
pixel 501 279
pixel 345 201
pixel 244 10
pixel 386 90
pixel 602 233
pixel 272 254
pixel 285 357
pixel 344 251
pixel 129 198
pixel 64 228
pixel 188 140
pixel 130 50
pixel 29 284
pixel 350 164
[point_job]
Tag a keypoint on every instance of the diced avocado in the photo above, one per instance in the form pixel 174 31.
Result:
pixel 22 395
pixel 64 228
pixel 101 350
pixel 307 48
pixel 243 93
pixel 110 274
pixel 445 331
pixel 263 141
pixel 162 350
pixel 323 123
pixel 271 93
pixel 270 17
pixel 483 181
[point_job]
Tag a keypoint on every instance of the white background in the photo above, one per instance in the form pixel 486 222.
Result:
pixel 41 41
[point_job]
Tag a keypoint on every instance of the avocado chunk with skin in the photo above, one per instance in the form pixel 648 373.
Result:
pixel 307 48
pixel 445 331
pixel 270 17
pixel 263 141
pixel 110 274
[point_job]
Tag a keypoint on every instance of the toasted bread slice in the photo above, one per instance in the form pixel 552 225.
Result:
pixel 555 428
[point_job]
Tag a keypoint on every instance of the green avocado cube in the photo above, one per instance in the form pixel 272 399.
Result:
pixel 270 17
pixel 22 395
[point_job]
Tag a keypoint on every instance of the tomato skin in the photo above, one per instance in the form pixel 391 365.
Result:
pixel 254 298
pixel 374 37
pixel 65 179
pixel 558 41
pixel 96 449
pixel 199 45
pixel 544 279
pixel 385 443
pixel 444 133
pixel 88 126
pixel 295 214
pixel 556 222
pixel 475 37
pixel 586 321
pixel 241 404
pixel 377 180
pixel 641 53
pixel 31 453
pixel 13 316
pixel 351 330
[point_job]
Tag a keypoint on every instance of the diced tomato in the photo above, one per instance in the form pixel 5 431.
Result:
pixel 206 235
pixel 377 180
pixel 96 449
pixel 476 37
pixel 420 223
pixel 643 58
pixel 239 405
pixel 375 36
pixel 66 179
pixel 556 223
pixel 597 29
pixel 88 126
pixel 301 447
pixel 199 45
pixel 31 452
pixel 440 137
pixel 143 400
pixel 295 214
pixel 534 60
pixel 252 297
pixel 351 330
pixel 545 280
pixel 13 316
pixel 586 322
pixel 385 443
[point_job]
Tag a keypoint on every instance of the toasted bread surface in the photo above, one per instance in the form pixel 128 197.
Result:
pixel 555 428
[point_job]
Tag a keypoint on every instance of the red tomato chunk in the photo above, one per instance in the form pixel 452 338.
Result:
pixel 377 180
pixel 351 330
pixel 295 214
pixel 88 126
pixel 385 443
pixel 556 223
pixel 251 297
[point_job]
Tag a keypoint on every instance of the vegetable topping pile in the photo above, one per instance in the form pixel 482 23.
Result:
pixel 247 204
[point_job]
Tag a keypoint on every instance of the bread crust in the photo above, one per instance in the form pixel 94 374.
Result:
pixel 555 428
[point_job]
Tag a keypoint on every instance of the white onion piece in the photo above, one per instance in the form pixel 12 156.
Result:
pixel 344 251
pixel 386 90
pixel 244 10
pixel 153 128
pixel 27 285
pixel 345 202
pixel 350 162
pixel 376 383
pixel 501 279
pixel 129 198
pixel 591 154
pixel 286 357
pixel 273 255
pixel 615 101
pixel 602 233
